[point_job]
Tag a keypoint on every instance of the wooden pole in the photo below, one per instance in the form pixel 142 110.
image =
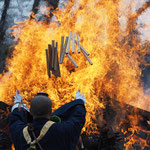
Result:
pixel 71 59
pixel 62 46
pixel 68 44
pixel 47 62
pixel 55 57
pixel 53 53
pixel 64 50
pixel 78 43
pixel 87 57
pixel 82 48
pixel 50 56
pixel 56 70
pixel 73 42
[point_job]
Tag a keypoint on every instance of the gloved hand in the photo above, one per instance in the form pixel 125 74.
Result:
pixel 18 102
pixel 18 97
pixel 80 96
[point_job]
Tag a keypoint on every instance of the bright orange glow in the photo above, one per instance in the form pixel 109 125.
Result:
pixel 116 66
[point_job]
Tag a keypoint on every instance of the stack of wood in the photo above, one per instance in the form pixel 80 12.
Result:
pixel 52 53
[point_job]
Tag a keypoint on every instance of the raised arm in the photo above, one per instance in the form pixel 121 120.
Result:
pixel 18 117
pixel 73 119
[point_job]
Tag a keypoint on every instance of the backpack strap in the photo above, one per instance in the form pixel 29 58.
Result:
pixel 43 131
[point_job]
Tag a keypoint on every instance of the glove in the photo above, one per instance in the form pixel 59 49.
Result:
pixel 80 96
pixel 18 97
pixel 18 102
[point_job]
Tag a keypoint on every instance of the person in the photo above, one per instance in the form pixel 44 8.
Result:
pixel 41 133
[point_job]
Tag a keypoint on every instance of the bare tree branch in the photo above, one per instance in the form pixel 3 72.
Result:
pixel 142 9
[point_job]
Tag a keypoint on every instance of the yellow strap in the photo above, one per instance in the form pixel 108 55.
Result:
pixel 26 135
pixel 43 131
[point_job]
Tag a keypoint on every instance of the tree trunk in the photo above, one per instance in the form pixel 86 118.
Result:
pixel 3 20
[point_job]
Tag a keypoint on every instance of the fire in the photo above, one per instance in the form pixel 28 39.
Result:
pixel 115 71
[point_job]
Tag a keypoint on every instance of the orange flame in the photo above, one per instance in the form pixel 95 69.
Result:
pixel 116 66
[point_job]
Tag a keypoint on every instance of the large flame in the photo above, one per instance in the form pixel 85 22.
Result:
pixel 115 71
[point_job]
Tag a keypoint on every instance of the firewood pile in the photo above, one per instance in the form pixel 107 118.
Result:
pixel 113 122
pixel 52 53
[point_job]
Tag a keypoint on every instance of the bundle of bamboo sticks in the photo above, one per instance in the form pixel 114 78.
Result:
pixel 52 60
pixel 52 53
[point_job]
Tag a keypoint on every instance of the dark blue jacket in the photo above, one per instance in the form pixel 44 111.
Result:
pixel 61 136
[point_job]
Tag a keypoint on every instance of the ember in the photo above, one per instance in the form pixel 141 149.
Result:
pixel 116 59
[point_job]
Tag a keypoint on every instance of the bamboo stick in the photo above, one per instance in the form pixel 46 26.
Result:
pixel 73 42
pixel 64 50
pixel 50 56
pixel 78 43
pixel 82 48
pixel 47 62
pixel 62 46
pixel 53 53
pixel 55 57
pixel 68 44
pixel 56 70
pixel 71 59
pixel 87 57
